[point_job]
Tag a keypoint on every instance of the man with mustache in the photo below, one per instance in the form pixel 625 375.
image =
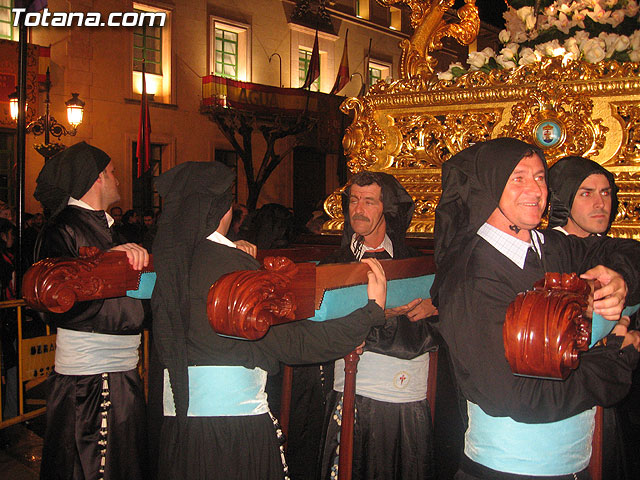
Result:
pixel 393 436
pixel 488 250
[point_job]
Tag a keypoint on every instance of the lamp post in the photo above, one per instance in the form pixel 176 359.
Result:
pixel 46 124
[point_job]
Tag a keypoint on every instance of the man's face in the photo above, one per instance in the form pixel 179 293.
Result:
pixel 365 209
pixel 524 197
pixel 591 207
pixel 116 214
pixel 38 220
pixel 148 220
pixel 110 193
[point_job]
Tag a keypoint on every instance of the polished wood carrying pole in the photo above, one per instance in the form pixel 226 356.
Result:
pixel 345 462
pixel 242 304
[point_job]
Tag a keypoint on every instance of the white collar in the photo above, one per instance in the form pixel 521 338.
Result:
pixel 86 206
pixel 386 244
pixel 217 237
pixel 511 247
pixel 561 229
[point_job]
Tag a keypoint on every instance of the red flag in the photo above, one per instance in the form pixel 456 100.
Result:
pixel 143 152
pixel 343 70
pixel 314 65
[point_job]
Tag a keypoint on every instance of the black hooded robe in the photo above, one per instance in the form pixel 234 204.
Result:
pixel 475 284
pixel 391 440
pixel 223 447
pixel 71 450
pixel 621 424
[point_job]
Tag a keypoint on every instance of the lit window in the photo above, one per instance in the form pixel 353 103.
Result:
pixel 226 53
pixel 152 44
pixel 375 74
pixel 362 9
pixel 395 22
pixel 6 29
pixel 147 47
pixel 229 49
pixel 378 71
pixel 304 58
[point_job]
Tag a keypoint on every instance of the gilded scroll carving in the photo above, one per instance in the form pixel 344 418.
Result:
pixel 430 140
pixel 363 137
pixel 629 117
pixel 582 134
pixel 411 126
pixel 429 30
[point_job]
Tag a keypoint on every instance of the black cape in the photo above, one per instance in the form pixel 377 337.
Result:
pixel 71 449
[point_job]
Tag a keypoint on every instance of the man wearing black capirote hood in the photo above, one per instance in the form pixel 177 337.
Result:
pixel 487 251
pixel 584 202
pixel 584 197
pixel 95 402
pixel 217 424
pixel 393 435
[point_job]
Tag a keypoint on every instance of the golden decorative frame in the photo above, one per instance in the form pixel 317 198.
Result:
pixel 411 126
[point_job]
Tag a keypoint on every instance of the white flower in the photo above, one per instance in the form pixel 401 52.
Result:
pixel 550 49
pixel 506 62
pixel 631 9
pixel 519 37
pixel 445 75
pixel 572 48
pixel 634 55
pixel 562 23
pixel 578 18
pixel 504 36
pixel 477 60
pixel 634 41
pixel 527 56
pixel 581 37
pixel 510 51
pixel 609 40
pixel 616 18
pixel 599 15
pixel 528 17
pixel 594 50
pixel 622 43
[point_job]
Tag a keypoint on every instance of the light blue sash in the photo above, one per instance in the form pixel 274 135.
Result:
pixel 601 327
pixel 342 301
pixel 221 392
pixel 501 443
pixel 88 353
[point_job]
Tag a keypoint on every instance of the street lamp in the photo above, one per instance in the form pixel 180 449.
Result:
pixel 46 124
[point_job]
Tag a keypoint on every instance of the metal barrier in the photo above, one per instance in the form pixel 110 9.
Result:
pixel 35 361
pixel 36 357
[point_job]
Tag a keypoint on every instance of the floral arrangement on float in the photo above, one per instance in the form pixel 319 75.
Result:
pixel 587 30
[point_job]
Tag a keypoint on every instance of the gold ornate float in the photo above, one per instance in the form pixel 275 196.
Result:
pixel 411 126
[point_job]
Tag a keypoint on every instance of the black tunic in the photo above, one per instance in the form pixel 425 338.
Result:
pixel 246 447
pixel 391 440
pixel 71 449
pixel 473 302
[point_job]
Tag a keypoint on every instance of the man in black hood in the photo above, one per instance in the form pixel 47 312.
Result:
pixel 95 403
pixel 217 423
pixel 487 251
pixel 584 198
pixel 393 436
